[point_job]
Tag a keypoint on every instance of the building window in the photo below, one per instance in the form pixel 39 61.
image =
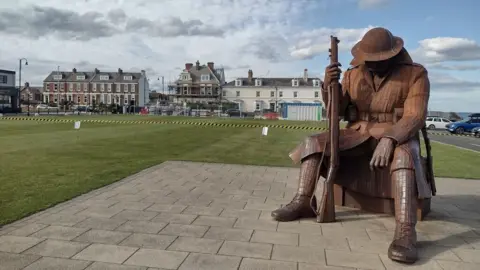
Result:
pixel 205 77
pixel 295 94
pixel 316 83
pixel 294 82
pixel 57 77
pixel 202 90
pixel 185 90
pixel 238 93
pixel 258 93
pixel 272 93
pixel 85 99
pixel 238 82
pixel 280 94
pixel 78 100
pixel 258 82
pixel 80 77
pixel 224 93
pixel 104 77
pixel 3 79
pixel 209 90
pixel 127 78
pixel 316 94
pixel 272 106
pixel 78 87
pixel 257 106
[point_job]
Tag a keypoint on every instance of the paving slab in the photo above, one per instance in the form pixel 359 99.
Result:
pixel 187 215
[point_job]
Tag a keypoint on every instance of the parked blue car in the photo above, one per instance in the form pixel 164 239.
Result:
pixel 466 125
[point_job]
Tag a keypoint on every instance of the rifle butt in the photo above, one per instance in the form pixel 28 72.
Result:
pixel 326 210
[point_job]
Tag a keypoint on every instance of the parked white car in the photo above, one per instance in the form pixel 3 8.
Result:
pixel 437 122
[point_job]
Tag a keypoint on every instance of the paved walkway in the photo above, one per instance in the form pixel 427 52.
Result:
pixel 182 215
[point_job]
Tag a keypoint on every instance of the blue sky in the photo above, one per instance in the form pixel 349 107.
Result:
pixel 415 21
pixel 272 37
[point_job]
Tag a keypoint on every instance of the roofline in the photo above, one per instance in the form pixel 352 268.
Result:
pixel 7 71
pixel 276 78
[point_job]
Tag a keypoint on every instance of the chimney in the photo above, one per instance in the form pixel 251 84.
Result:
pixel 97 71
pixel 211 65
pixel 250 76
pixel 27 84
pixel 198 65
pixel 305 75
pixel 188 66
pixel 143 72
pixel 120 71
pixel 74 70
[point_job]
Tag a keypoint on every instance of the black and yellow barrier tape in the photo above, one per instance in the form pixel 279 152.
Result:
pixel 206 123
pixel 196 123
pixel 450 134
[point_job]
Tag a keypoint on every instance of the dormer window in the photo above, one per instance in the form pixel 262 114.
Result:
pixel 57 77
pixel 205 77
pixel 238 82
pixel 104 77
pixel 294 82
pixel 258 82
pixel 80 77
pixel 127 78
pixel 316 83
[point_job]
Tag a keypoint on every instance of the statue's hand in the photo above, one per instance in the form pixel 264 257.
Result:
pixel 382 154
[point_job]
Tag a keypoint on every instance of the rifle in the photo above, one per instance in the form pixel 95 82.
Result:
pixel 326 210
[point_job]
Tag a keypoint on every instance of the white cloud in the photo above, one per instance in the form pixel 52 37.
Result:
pixel 159 36
pixel 443 66
pixel 317 41
pixel 268 36
pixel 441 49
pixel 366 4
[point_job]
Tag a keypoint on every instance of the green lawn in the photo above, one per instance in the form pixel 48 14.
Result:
pixel 45 163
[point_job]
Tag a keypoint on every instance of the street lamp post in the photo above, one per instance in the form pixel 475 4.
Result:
pixel 28 93
pixel 20 77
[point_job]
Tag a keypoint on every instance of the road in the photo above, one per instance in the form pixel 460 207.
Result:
pixel 468 142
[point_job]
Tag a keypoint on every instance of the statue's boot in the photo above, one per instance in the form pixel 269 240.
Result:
pixel 403 247
pixel 303 204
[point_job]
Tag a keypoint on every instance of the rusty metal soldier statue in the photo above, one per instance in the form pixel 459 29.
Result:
pixel 382 80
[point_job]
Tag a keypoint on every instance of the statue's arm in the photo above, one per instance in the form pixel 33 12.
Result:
pixel 344 97
pixel 414 111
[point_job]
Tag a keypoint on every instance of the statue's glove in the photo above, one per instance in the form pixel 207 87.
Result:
pixel 382 154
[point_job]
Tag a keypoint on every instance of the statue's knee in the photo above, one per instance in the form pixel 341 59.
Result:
pixel 402 159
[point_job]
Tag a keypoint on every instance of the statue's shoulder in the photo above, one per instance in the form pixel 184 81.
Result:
pixel 415 66
pixel 353 67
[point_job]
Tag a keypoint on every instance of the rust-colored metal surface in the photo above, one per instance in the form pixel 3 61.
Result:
pixel 384 97
pixel 326 208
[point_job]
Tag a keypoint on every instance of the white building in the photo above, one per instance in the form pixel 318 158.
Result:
pixel 8 92
pixel 258 94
